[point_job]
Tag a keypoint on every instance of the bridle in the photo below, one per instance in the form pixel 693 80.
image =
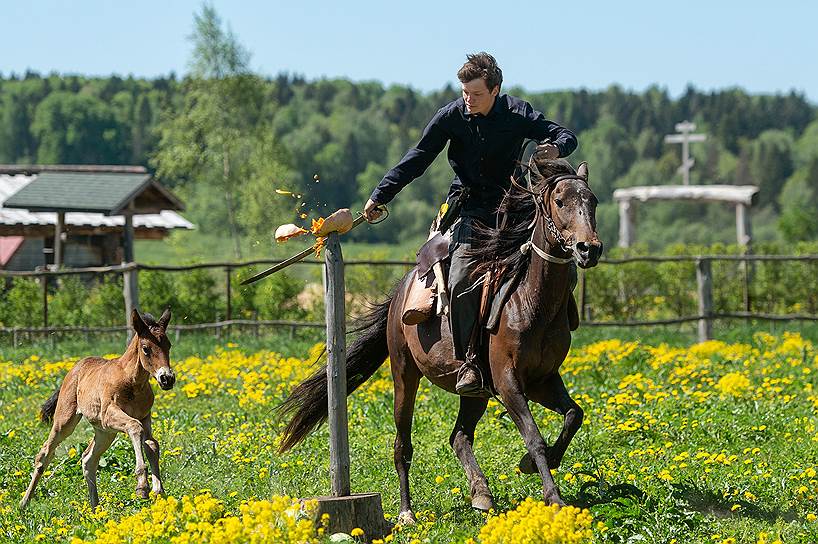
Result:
pixel 542 210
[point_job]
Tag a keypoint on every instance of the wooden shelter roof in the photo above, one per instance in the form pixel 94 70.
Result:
pixel 106 192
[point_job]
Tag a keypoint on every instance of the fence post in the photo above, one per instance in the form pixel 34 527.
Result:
pixel 704 283
pixel 44 281
pixel 130 290
pixel 227 271
pixel 336 367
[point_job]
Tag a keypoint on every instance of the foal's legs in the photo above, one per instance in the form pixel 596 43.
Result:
pixel 152 453
pixel 461 440
pixel 117 420
pixel 90 461
pixel 554 396
pixel 65 421
pixel 509 388
pixel 406 376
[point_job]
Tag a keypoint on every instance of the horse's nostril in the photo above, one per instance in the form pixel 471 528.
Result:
pixel 582 247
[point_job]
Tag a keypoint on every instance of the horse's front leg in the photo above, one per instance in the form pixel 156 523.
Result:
pixel 117 420
pixel 152 453
pixel 510 391
pixel 553 395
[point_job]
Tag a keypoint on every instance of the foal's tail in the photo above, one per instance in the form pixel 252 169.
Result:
pixel 306 407
pixel 49 407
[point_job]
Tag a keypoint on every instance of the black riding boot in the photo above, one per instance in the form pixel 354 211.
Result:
pixel 464 311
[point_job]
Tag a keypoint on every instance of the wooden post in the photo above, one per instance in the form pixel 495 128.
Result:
pixel 227 271
pixel 127 238
pixel 743 227
pixel 336 367
pixel 626 213
pixel 130 290
pixel 704 282
pixel 346 511
pixel 44 282
pixel 58 228
pixel 744 237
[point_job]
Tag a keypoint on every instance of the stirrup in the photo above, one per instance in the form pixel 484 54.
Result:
pixel 470 387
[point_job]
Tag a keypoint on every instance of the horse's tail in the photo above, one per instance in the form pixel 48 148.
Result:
pixel 49 407
pixel 306 407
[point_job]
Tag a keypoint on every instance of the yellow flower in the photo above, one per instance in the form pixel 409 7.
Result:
pixel 733 384
pixel 552 525
pixel 357 531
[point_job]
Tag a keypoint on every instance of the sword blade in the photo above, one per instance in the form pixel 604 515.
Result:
pixel 292 260
pixel 279 266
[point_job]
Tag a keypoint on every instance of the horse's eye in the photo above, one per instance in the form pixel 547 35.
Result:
pixel 559 203
pixel 146 350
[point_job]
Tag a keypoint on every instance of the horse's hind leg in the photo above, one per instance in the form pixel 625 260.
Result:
pixel 90 461
pixel 65 421
pixel 407 379
pixel 554 396
pixel 461 440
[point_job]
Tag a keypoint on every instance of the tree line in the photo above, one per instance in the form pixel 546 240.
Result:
pixel 226 139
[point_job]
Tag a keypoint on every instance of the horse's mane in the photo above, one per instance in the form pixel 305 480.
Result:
pixel 498 249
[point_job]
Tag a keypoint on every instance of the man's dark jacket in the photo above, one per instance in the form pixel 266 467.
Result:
pixel 483 150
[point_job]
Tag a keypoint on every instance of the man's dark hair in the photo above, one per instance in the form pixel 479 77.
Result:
pixel 481 66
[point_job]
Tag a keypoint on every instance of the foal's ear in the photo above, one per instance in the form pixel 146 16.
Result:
pixel 138 324
pixel 164 319
pixel 582 170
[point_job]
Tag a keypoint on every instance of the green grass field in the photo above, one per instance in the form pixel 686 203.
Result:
pixel 682 443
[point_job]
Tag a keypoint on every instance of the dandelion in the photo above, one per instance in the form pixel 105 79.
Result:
pixel 733 384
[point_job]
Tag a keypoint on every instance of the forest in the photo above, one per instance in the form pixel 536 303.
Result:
pixel 242 148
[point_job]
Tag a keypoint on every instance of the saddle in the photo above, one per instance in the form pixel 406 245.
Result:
pixel 427 295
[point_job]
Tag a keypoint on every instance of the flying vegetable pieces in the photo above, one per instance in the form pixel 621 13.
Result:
pixel 285 232
pixel 341 222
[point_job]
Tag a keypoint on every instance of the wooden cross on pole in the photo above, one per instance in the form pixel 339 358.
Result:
pixel 685 128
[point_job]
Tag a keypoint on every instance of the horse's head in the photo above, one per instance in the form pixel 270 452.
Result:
pixel 154 346
pixel 568 208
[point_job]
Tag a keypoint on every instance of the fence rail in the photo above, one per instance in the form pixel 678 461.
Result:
pixel 704 318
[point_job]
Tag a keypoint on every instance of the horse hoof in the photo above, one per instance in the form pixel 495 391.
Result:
pixel 554 498
pixel 527 465
pixel 406 518
pixel 142 492
pixel 484 503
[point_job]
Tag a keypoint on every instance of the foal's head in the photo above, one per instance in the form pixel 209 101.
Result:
pixel 153 347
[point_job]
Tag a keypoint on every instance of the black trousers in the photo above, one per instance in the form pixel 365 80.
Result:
pixel 464 296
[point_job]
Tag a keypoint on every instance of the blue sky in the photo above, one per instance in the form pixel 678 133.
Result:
pixel 761 46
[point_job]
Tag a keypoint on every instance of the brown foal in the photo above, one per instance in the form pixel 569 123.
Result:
pixel 115 396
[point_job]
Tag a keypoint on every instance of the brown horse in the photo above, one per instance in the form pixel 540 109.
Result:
pixel 556 214
pixel 115 396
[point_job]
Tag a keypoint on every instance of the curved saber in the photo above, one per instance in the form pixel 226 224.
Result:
pixel 292 260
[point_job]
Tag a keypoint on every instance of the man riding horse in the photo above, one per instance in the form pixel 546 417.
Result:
pixel 485 132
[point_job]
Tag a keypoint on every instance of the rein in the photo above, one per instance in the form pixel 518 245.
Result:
pixel 542 209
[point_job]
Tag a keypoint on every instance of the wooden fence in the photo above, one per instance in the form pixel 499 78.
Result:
pixel 704 289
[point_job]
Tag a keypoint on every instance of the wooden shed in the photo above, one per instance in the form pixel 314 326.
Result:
pixel 85 215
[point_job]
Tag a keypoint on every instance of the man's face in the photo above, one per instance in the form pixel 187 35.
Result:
pixel 477 96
